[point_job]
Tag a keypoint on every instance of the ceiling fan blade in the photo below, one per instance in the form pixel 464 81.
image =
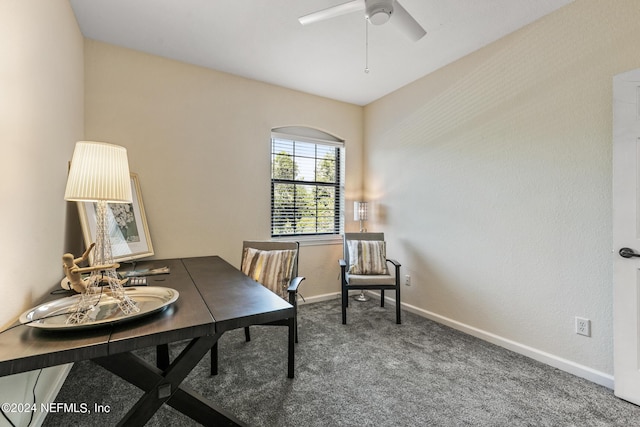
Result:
pixel 402 20
pixel 332 12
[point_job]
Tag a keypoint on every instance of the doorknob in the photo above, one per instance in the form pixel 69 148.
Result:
pixel 628 253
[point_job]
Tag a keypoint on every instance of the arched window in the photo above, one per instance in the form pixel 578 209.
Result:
pixel 307 190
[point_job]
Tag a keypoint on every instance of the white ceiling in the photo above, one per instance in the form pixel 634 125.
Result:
pixel 263 40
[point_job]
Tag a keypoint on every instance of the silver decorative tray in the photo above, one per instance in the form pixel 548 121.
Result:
pixel 53 314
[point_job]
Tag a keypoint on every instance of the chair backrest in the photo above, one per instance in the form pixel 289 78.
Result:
pixel 358 236
pixel 274 246
pixel 272 264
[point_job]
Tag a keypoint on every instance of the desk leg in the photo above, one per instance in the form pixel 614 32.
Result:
pixel 161 387
pixel 162 356
pixel 214 359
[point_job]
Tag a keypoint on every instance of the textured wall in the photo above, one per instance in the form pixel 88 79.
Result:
pixel 492 179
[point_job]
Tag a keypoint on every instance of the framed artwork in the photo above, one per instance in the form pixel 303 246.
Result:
pixel 127 225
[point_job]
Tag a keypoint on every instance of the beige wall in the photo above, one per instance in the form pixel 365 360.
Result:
pixel 41 117
pixel 199 140
pixel 492 179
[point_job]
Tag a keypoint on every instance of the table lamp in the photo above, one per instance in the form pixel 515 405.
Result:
pixel 360 214
pixel 99 173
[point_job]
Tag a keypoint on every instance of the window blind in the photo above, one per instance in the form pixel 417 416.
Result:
pixel 306 185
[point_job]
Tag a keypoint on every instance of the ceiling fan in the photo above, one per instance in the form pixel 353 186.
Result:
pixel 377 12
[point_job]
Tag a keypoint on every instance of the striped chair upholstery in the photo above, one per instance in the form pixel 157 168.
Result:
pixel 273 269
pixel 367 257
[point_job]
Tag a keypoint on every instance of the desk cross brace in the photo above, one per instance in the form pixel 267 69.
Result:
pixel 164 387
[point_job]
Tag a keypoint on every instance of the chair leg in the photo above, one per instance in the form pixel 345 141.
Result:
pixel 291 349
pixel 345 300
pixel 247 335
pixel 214 359
pixel 398 319
pixel 293 300
pixel 381 297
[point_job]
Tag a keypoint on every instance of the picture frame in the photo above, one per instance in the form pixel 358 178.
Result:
pixel 127 225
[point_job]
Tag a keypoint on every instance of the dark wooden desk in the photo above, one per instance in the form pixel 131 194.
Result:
pixel 214 298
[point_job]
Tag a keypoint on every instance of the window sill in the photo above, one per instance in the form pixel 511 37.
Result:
pixel 335 239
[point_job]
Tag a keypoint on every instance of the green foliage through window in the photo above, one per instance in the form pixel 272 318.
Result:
pixel 305 188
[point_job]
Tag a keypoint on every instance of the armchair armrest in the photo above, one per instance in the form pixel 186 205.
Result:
pixel 397 268
pixel 394 262
pixel 292 290
pixel 342 263
pixel 295 282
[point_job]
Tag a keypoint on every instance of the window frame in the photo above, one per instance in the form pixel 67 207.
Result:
pixel 317 138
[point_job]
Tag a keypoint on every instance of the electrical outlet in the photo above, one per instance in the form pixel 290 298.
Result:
pixel 583 326
pixel 407 280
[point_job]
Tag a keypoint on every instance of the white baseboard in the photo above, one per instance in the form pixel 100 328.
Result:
pixel 318 298
pixel 569 366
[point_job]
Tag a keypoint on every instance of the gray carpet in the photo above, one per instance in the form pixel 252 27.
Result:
pixel 370 372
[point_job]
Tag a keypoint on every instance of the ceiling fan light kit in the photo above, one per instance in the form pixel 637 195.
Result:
pixel 379 11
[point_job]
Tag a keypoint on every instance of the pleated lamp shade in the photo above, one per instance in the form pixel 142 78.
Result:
pixel 99 171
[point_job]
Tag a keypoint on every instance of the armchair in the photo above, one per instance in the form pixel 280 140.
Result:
pixel 365 267
pixel 275 266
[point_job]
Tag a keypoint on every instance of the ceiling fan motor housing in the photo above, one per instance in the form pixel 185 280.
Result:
pixel 378 11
